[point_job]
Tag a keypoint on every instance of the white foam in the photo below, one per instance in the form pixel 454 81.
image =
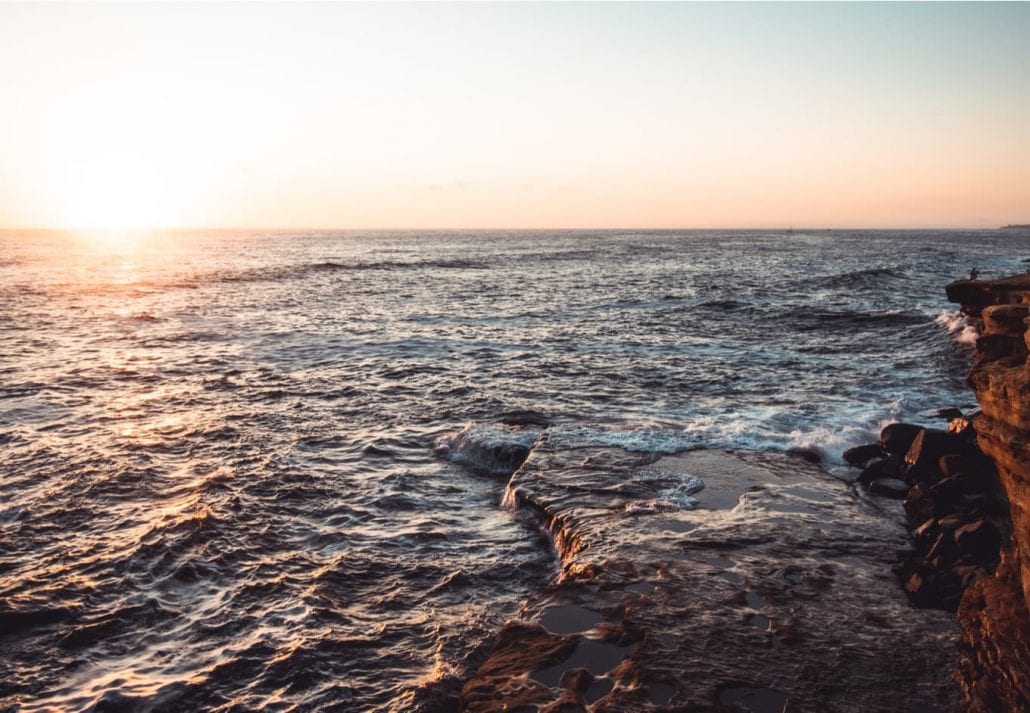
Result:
pixel 958 326
pixel 642 440
pixel 481 446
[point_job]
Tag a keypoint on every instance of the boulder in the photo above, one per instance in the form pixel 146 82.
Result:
pixel 979 539
pixel 862 455
pixel 898 437
pixel 950 413
pixel 957 465
pixel 919 506
pixel 889 487
pixel 890 467
pixel 926 451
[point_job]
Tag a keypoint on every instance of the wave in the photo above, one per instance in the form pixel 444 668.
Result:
pixel 869 277
pixel 958 326
pixel 494 450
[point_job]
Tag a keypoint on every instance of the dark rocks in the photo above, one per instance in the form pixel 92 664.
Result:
pixel 889 487
pixel 809 454
pixel 980 540
pixel 898 437
pixel 948 492
pixel 929 445
pixel 862 455
pixel 957 465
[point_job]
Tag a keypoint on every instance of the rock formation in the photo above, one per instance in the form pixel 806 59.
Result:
pixel 993 613
pixel 712 581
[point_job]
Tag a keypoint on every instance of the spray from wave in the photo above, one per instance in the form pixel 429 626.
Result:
pixel 958 326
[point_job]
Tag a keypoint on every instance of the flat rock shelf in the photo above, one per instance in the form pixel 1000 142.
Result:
pixel 768 589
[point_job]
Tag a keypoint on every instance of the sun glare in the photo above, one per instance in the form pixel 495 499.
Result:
pixel 116 188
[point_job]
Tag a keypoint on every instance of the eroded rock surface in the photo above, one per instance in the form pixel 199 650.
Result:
pixel 774 593
pixel 993 613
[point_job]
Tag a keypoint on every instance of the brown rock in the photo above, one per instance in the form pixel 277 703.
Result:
pixel 1005 319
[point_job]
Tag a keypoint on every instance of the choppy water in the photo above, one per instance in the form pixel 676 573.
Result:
pixel 218 480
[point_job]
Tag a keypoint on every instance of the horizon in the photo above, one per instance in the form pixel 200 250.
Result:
pixel 531 117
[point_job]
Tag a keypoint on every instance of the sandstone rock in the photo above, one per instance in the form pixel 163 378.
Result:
pixel 898 437
pixel 862 455
pixel 992 347
pixel 1005 319
pixel 961 427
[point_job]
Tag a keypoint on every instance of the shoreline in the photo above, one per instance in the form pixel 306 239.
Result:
pixel 722 604
pixel 732 603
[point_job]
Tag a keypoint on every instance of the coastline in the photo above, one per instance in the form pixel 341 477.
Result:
pixel 769 587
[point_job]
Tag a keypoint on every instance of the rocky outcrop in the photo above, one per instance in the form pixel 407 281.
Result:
pixel 993 613
pixel 712 581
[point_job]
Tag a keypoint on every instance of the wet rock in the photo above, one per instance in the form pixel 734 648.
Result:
pixel 862 455
pixel 767 531
pixel 890 467
pixel 950 413
pixel 524 418
pixel 898 437
pixel 808 454
pixel 890 488
pixel 925 453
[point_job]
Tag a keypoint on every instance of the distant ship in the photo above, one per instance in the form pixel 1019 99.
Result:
pixel 790 230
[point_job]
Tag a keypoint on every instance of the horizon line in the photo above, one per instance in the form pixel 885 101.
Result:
pixel 791 228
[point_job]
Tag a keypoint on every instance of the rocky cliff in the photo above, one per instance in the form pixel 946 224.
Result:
pixel 995 670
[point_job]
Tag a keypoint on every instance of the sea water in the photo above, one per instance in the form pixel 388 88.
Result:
pixel 225 472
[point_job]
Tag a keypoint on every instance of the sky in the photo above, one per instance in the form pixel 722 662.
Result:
pixel 492 115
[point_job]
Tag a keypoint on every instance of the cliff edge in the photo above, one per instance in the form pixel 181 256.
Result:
pixel 993 615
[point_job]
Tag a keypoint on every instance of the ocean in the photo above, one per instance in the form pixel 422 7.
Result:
pixel 238 472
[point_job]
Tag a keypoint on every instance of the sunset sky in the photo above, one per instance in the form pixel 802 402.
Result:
pixel 520 116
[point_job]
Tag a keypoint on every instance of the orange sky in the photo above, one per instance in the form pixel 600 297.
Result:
pixel 520 116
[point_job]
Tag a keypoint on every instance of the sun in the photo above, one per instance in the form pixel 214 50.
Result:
pixel 118 186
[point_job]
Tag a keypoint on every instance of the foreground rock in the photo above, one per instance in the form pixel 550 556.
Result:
pixel 774 594
pixel 993 612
